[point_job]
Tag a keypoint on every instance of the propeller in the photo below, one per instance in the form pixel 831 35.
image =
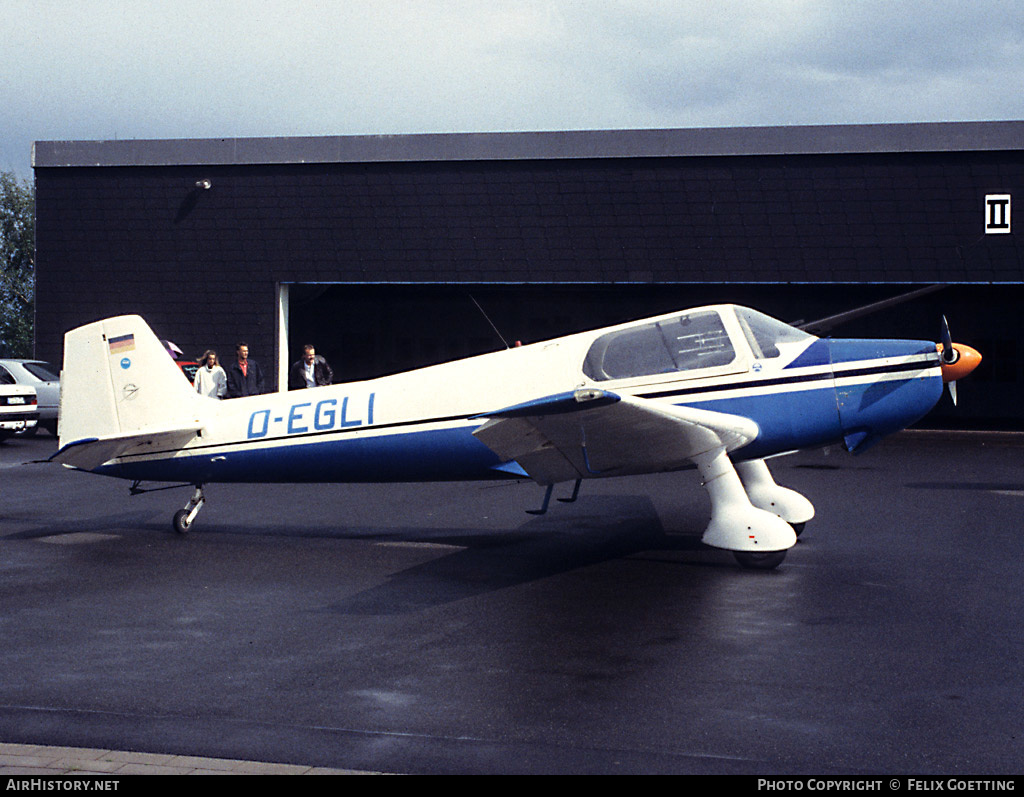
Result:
pixel 958 359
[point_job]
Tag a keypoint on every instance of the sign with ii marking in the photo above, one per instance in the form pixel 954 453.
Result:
pixel 997 214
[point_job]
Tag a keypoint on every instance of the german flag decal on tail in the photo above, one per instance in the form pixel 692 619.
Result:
pixel 122 344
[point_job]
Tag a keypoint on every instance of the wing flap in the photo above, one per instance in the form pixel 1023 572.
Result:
pixel 519 440
pixel 603 434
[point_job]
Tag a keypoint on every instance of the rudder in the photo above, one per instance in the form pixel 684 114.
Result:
pixel 117 380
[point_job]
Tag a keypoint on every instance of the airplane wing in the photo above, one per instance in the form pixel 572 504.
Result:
pixel 590 433
pixel 92 452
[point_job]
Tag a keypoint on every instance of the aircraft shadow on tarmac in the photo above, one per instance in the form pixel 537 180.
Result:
pixel 597 529
pixel 465 560
pixel 119 522
pixel 979 486
pixel 601 529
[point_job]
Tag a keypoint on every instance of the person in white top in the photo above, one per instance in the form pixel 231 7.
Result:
pixel 210 378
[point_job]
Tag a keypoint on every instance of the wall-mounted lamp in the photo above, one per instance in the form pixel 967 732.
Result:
pixel 188 204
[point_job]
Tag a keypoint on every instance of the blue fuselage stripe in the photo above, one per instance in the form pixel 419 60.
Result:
pixel 797 418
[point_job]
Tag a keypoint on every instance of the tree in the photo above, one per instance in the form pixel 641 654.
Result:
pixel 17 265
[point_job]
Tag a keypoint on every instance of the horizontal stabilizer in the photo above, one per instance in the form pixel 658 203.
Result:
pixel 91 452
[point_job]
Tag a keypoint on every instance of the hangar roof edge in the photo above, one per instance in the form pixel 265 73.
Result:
pixel 542 145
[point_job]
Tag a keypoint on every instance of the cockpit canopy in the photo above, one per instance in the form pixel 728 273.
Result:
pixel 695 340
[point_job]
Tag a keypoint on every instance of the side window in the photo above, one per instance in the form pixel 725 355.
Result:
pixel 699 340
pixel 631 352
pixel 5 377
pixel 684 343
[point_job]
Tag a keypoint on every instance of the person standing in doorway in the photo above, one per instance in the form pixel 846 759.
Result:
pixel 311 371
pixel 245 377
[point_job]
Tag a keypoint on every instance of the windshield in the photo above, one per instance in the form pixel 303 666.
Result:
pixel 765 334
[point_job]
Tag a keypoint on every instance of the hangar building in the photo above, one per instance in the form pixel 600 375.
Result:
pixel 390 252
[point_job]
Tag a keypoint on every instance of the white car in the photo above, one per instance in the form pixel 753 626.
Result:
pixel 19 411
pixel 42 376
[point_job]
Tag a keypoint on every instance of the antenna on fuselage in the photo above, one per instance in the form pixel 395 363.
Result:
pixel 488 318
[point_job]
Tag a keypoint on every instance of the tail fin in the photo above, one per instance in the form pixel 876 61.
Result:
pixel 119 388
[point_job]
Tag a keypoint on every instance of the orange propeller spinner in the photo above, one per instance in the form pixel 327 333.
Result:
pixel 958 359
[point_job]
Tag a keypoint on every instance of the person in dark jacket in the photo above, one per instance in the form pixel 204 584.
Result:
pixel 245 377
pixel 311 371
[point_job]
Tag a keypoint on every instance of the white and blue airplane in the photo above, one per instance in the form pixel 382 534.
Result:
pixel 721 388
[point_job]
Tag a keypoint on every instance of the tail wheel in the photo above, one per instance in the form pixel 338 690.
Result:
pixel 180 521
pixel 186 516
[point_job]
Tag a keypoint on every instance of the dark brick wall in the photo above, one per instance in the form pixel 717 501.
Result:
pixel 201 265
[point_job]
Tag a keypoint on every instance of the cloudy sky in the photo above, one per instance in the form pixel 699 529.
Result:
pixel 84 70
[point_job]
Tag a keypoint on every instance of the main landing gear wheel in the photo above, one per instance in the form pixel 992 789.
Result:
pixel 754 560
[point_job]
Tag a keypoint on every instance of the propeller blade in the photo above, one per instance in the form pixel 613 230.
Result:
pixel 825 324
pixel 949 354
pixel 958 360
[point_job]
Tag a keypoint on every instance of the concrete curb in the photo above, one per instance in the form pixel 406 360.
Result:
pixel 40 760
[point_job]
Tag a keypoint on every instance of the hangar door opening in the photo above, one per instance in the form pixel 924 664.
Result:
pixel 366 331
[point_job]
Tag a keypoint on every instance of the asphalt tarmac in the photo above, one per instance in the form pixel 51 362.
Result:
pixel 441 629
